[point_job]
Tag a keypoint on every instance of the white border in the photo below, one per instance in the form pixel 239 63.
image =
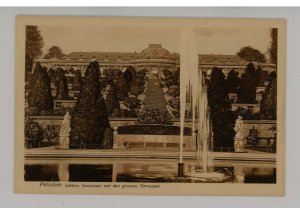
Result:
pixel 7 42
pixel 151 3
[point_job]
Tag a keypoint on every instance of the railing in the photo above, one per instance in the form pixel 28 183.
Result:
pixel 261 148
pixel 223 149
pixel 134 146
pixel 32 145
pixel 248 148
pixel 39 144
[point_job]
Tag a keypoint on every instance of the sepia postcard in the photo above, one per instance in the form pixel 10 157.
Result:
pixel 150 106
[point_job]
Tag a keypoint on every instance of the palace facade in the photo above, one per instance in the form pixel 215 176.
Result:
pixel 154 59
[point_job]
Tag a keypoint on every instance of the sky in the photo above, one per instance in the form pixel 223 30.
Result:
pixel 130 39
pixel 109 39
pixel 230 40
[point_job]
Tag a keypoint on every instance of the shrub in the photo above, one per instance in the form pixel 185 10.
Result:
pixel 256 116
pixel 33 133
pixel 128 114
pixel 175 103
pixel 155 129
pixel 245 113
pixel 132 103
pixel 137 87
pixel 154 116
pixel 141 74
pixel 252 138
pixel 50 134
pixel 167 72
pixel 62 111
pixel 72 71
pixel 170 80
pixel 174 91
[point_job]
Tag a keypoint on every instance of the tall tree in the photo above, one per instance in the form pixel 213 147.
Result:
pixel 89 119
pixel 51 74
pixel 77 81
pixel 34 45
pixel 273 46
pixel 217 91
pixel 251 54
pixel 268 104
pixel 220 109
pixel 54 52
pixel 39 96
pixel 112 102
pixel 260 77
pixel 232 81
pixel 121 86
pixel 129 77
pixel 247 90
pixel 62 92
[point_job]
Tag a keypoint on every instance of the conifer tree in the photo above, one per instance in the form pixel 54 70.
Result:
pixel 273 46
pixel 77 81
pixel 268 104
pixel 62 92
pixel 232 81
pixel 247 89
pixel 39 96
pixel 89 119
pixel 112 102
pixel 220 110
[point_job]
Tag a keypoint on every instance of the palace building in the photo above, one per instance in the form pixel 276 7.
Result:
pixel 154 59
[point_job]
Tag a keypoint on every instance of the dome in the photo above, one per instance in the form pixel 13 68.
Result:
pixel 155 51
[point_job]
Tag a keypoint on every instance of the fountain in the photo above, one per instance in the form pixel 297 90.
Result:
pixel 194 88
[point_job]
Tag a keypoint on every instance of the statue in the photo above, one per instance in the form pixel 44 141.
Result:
pixel 64 132
pixel 239 127
pixel 239 140
pixel 65 127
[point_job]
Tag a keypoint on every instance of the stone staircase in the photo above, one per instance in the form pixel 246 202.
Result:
pixel 154 96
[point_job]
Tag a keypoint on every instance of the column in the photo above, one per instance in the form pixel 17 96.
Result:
pixel 114 172
pixel 63 171
pixel 239 173
pixel 115 135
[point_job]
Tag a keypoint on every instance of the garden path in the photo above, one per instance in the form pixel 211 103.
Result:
pixel 154 96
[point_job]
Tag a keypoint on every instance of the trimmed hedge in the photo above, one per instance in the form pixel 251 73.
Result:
pixel 153 129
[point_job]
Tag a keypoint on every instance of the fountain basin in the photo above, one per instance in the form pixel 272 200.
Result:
pixel 214 176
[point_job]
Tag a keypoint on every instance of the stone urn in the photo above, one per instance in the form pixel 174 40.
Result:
pixel 239 144
pixel 64 140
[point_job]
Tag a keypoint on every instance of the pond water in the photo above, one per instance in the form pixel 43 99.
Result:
pixel 105 170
